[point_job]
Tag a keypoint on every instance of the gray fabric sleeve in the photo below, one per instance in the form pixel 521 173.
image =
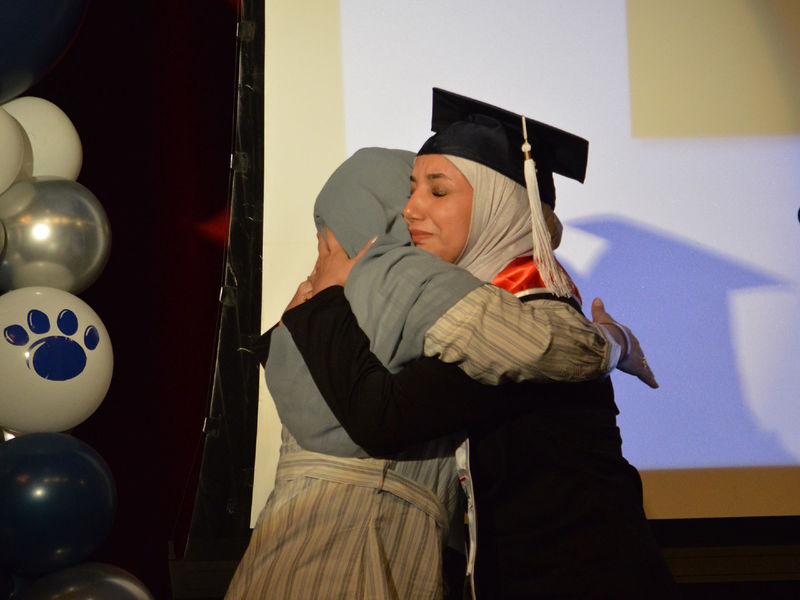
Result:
pixel 300 406
pixel 397 292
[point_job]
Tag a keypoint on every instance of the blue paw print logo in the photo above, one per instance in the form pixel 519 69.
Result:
pixel 54 357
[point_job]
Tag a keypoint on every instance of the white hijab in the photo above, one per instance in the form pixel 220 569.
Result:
pixel 500 226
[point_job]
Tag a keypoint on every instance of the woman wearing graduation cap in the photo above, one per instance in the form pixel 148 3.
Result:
pixel 342 524
pixel 558 509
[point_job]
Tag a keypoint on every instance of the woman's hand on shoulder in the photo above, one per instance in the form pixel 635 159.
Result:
pixel 332 268
pixel 333 264
pixel 632 360
pixel 303 293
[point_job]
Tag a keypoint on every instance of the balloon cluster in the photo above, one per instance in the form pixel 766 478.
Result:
pixel 58 498
pixel 56 232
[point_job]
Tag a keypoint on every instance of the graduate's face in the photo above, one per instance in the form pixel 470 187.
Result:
pixel 440 206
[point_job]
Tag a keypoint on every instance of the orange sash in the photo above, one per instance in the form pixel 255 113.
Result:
pixel 522 275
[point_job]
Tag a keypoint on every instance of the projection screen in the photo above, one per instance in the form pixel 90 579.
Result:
pixel 687 224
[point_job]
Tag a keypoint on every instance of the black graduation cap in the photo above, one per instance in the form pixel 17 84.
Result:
pixel 493 137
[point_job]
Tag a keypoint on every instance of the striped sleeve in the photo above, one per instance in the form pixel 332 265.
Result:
pixel 495 337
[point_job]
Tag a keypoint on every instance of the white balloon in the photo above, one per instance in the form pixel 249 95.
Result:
pixel 56 360
pixel 55 147
pixel 12 150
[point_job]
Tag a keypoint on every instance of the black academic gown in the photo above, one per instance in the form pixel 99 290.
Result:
pixel 559 508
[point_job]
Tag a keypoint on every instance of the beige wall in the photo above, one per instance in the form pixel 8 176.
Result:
pixel 304 142
pixel 728 492
pixel 714 67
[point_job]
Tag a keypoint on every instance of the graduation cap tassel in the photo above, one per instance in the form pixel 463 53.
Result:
pixel 553 276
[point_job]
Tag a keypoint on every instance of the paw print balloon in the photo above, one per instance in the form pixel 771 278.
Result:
pixel 55 358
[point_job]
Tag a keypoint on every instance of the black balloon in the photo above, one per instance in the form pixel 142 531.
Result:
pixel 34 36
pixel 12 586
pixel 58 502
pixel 89 581
pixel 6 585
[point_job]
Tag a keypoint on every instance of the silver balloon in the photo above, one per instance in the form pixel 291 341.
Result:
pixel 57 235
pixel 2 240
pixel 88 581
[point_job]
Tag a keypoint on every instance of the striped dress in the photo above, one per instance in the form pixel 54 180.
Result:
pixel 346 528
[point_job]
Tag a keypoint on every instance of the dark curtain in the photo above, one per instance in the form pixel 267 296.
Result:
pixel 150 88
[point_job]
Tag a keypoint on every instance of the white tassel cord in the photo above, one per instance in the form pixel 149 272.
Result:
pixel 553 276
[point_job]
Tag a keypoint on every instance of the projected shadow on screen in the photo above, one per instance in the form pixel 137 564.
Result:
pixel 675 297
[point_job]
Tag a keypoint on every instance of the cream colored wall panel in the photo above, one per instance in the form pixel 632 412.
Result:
pixel 303 143
pixel 714 67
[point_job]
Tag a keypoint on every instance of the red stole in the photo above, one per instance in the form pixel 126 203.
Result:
pixel 522 276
